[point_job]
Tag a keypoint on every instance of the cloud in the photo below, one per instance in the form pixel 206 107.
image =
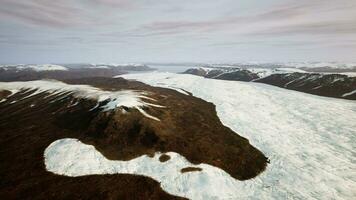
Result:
pixel 61 13
pixel 123 4
pixel 312 28
pixel 135 27
pixel 297 17
pixel 43 13
pixel 305 17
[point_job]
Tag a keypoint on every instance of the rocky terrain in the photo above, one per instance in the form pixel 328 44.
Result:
pixel 122 121
pixel 323 84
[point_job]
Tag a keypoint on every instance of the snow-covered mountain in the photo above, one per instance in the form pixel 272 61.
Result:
pixel 309 139
pixel 107 100
pixel 339 85
pixel 238 73
pixel 330 85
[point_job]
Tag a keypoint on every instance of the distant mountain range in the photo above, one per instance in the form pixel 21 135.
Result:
pixel 339 85
pixel 320 78
pixel 307 66
pixel 28 72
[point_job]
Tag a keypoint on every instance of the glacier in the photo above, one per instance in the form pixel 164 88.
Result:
pixel 310 140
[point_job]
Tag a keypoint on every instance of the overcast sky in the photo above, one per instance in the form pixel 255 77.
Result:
pixel 105 31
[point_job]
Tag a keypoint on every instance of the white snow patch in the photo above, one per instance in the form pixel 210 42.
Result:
pixel 71 157
pixel 47 67
pixel 98 66
pixel 264 72
pixel 128 98
pixel 349 93
pixel 309 139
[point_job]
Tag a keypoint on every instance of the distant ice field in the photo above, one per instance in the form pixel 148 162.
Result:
pixel 310 140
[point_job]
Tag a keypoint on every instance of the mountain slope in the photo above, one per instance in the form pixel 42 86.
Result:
pixel 323 84
pixel 330 85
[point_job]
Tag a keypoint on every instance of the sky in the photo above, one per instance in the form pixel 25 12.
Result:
pixel 117 31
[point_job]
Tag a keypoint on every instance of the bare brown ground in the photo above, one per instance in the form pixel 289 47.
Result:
pixel 188 126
